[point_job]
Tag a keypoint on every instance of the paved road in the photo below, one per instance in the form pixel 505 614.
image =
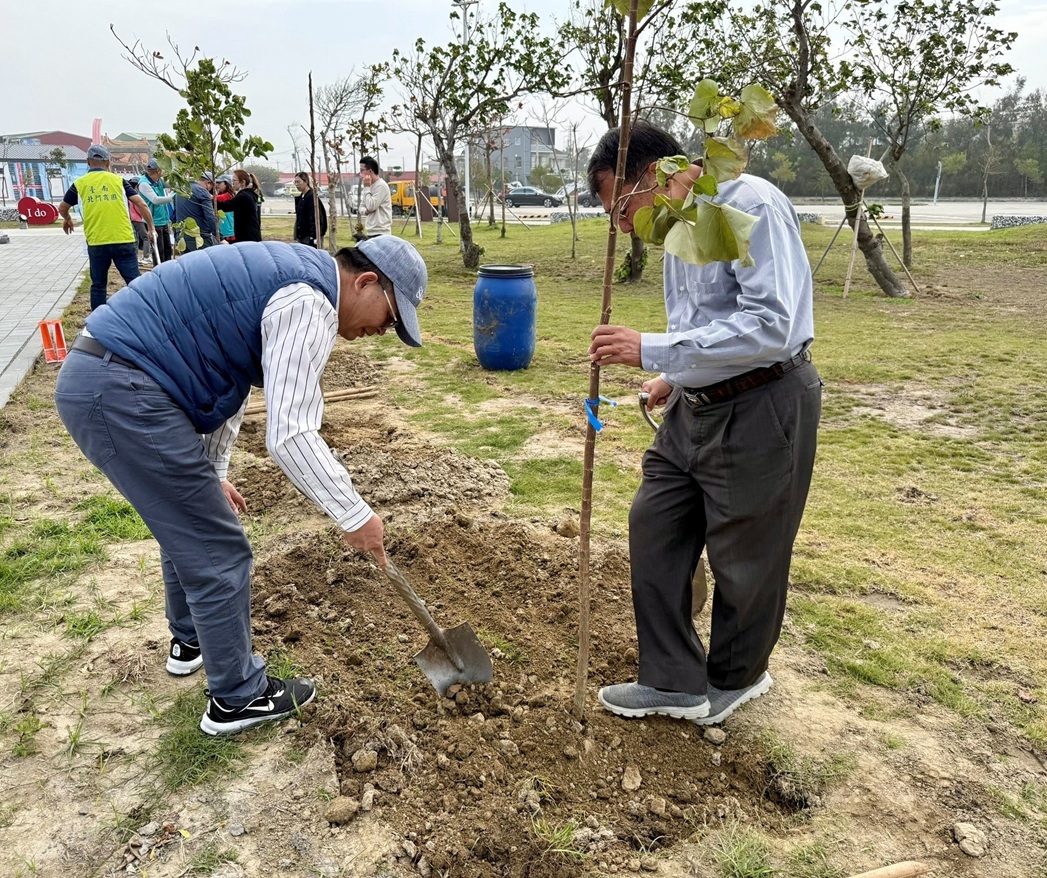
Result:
pixel 944 214
pixel 40 270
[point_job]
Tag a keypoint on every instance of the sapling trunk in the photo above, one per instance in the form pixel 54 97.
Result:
pixel 312 163
pixel 582 670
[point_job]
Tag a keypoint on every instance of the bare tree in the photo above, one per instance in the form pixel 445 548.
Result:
pixel 336 103
pixel 172 73
pixel 451 89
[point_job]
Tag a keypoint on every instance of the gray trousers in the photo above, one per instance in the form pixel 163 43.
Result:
pixel 732 478
pixel 131 429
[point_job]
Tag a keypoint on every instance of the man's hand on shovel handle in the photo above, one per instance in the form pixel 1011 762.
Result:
pixel 369 540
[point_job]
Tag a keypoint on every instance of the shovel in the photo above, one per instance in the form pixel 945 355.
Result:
pixel 699 585
pixel 453 655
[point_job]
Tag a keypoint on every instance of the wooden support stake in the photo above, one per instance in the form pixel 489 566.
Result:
pixel 899 870
pixel 334 396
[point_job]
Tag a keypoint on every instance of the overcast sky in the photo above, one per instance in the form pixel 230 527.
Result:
pixel 60 67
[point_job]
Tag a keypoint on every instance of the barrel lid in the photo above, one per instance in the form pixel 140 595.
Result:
pixel 507 271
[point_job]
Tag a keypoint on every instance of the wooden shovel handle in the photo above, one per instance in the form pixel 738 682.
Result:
pixel 907 869
pixel 419 608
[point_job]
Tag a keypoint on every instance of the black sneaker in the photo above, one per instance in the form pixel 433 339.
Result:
pixel 280 699
pixel 184 658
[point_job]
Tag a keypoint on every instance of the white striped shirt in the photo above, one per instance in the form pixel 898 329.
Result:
pixel 299 328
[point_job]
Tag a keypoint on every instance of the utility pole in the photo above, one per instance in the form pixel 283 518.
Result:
pixel 464 6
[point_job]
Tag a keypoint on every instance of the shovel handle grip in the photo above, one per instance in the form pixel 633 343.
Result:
pixel 417 605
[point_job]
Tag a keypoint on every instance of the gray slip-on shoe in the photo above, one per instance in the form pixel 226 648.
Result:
pixel 724 702
pixel 632 699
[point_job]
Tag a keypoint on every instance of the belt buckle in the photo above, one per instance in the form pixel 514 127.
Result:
pixel 696 399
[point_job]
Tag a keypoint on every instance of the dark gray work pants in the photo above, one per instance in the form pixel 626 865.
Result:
pixel 732 478
pixel 129 427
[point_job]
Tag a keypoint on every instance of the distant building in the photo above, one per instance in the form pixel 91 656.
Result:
pixel 522 148
pixel 27 165
pixel 129 152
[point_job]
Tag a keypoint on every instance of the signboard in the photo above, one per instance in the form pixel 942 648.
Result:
pixel 37 212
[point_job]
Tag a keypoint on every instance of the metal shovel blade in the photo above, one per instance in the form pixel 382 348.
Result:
pixel 453 655
pixel 462 644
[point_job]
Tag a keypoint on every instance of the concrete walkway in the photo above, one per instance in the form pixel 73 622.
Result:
pixel 40 271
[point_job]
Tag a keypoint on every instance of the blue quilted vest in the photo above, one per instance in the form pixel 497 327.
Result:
pixel 194 324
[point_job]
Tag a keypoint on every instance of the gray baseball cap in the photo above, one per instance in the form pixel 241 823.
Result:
pixel 152 165
pixel 401 263
pixel 224 178
pixel 97 151
pixel 207 175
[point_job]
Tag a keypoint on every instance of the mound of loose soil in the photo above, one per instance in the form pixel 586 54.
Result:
pixel 474 779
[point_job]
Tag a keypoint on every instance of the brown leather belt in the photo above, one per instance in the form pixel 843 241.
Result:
pixel 96 349
pixel 729 389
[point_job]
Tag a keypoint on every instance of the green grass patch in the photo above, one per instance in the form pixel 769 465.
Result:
pixel 113 519
pixel 54 551
pixel 741 852
pixel 210 858
pixel 184 755
pixel 50 550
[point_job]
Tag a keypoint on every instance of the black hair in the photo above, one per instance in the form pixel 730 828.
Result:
pixel 370 164
pixel 351 259
pixel 304 177
pixel 646 144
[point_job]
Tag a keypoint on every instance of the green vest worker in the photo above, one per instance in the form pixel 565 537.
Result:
pixel 103 198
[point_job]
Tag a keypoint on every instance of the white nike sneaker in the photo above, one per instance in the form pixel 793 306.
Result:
pixel 280 699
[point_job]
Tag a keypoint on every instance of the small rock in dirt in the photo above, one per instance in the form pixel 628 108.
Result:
pixel 567 527
pixel 149 829
pixel 496 653
pixel 570 752
pixel 477 718
pixel 656 805
pixel 365 760
pixel 236 830
pixel 714 757
pixel 715 736
pixel 367 800
pixel 423 868
pixel 508 748
pixel 970 838
pixel 410 849
pixel 633 865
pixel 341 810
pixel 649 865
pixel 631 779
pixel 403 638
pixel 1026 697
pixel 442 762
pixel 630 655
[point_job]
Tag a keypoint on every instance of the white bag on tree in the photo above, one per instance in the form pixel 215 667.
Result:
pixel 865 171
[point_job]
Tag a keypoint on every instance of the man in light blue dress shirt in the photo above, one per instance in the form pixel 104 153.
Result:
pixel 731 464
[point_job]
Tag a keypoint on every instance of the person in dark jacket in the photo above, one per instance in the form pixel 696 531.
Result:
pixel 305 215
pixel 154 391
pixel 246 207
pixel 199 207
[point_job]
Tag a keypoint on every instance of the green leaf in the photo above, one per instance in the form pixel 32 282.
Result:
pixel 724 232
pixel 622 7
pixel 758 116
pixel 705 185
pixel 724 159
pixel 683 244
pixel 670 165
pixel 653 223
pixel 706 101
pixel 720 233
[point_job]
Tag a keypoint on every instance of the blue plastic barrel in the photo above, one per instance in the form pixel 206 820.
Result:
pixel 505 316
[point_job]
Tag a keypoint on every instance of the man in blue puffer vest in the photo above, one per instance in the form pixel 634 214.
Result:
pixel 154 390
